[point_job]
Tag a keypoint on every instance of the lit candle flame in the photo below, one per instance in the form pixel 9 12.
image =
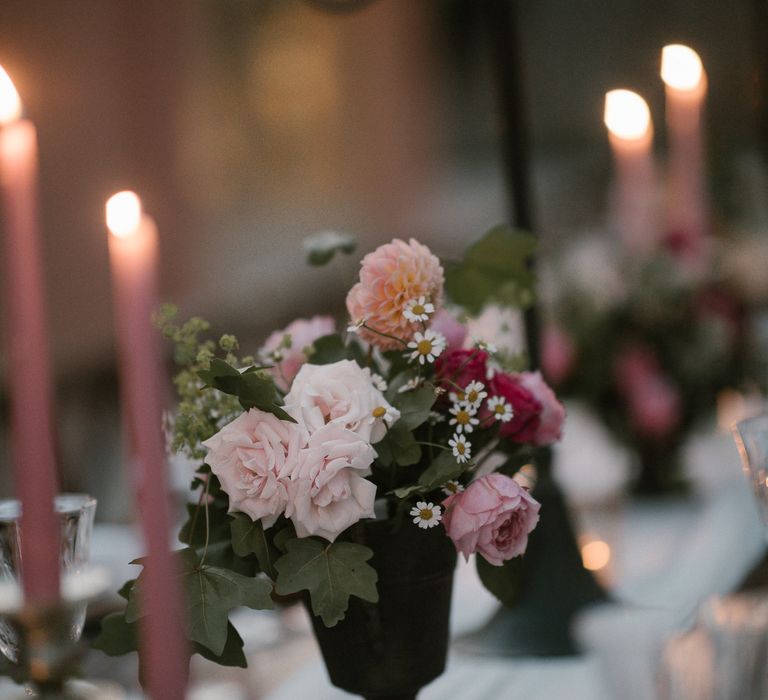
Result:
pixel 681 67
pixel 123 213
pixel 626 114
pixel 10 102
pixel 595 555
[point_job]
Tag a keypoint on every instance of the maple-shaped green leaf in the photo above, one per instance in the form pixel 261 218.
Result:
pixel 210 593
pixel 117 635
pixel 232 655
pixel 249 537
pixel 330 572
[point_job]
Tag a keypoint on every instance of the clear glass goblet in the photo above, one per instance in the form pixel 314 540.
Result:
pixel 76 512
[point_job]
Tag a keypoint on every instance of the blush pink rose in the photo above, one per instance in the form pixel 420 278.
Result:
pixel 298 336
pixel 328 490
pixel 390 277
pixel 253 457
pixel 492 517
pixel 454 332
pixel 341 393
pixel 558 353
pixel 552 413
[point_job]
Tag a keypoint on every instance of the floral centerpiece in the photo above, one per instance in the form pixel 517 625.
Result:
pixel 349 468
pixel 649 340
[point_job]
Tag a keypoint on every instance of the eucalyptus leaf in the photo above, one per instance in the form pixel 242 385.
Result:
pixel 503 581
pixel 321 247
pixel 330 572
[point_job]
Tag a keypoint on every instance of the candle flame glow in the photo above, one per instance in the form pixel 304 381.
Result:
pixel 123 213
pixel 595 555
pixel 10 102
pixel 626 114
pixel 681 67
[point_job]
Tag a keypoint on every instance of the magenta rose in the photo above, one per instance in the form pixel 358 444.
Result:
pixel 526 408
pixel 492 517
pixel 460 367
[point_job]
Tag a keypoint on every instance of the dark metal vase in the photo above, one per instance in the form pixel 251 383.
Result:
pixel 391 649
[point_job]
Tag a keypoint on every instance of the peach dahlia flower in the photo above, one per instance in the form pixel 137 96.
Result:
pixel 390 277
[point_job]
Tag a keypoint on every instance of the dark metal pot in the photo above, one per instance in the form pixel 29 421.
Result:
pixel 391 649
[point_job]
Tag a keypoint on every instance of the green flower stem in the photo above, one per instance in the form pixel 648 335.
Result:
pixel 433 444
pixel 207 520
pixel 385 335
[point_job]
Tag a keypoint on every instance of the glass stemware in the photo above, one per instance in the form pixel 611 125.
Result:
pixel 76 512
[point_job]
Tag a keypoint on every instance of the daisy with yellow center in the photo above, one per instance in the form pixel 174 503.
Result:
pixel 451 487
pixel 463 418
pixel 426 515
pixel 418 310
pixel 426 346
pixel 474 394
pixel 386 413
pixel 500 409
pixel 461 449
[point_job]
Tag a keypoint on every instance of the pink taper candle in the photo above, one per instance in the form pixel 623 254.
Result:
pixel 630 133
pixel 33 455
pixel 133 256
pixel 685 90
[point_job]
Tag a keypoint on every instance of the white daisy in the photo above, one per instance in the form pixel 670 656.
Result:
pixel 410 385
pixel 462 449
pixel 474 394
pixel 457 397
pixel 488 347
pixel 388 414
pixel 500 409
pixel 426 346
pixel 378 381
pixel 426 515
pixel 463 418
pixel 356 326
pixel 451 487
pixel 418 309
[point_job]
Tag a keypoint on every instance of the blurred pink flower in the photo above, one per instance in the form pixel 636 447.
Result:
pixel 492 517
pixel 291 343
pixel 654 407
pixel 390 277
pixel 328 490
pixel 558 353
pixel 633 367
pixel 552 414
pixel 453 330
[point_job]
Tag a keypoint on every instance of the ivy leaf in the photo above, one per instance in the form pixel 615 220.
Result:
pixel 327 350
pixel 398 446
pixel 503 581
pixel 331 573
pixel 117 635
pixel 497 267
pixel 253 389
pixel 415 406
pixel 232 654
pixel 249 537
pixel 443 468
pixel 321 247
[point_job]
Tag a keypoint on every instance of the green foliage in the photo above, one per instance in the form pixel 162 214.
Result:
pixel 495 268
pixel 210 593
pixel 117 635
pixel 330 572
pixel 503 581
pixel 327 350
pixel 443 468
pixel 321 248
pixel 231 655
pixel 399 447
pixel 415 406
pixel 249 537
pixel 252 388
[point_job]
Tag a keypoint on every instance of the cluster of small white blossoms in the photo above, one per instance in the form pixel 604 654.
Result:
pixel 466 406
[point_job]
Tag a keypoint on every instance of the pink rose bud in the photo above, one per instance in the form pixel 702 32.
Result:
pixel 492 517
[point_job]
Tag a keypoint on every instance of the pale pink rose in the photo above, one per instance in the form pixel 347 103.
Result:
pixel 298 335
pixel 341 393
pixel 253 457
pixel 654 407
pixel 552 415
pixel 454 332
pixel 492 517
pixel 390 277
pixel 328 490
pixel 558 353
